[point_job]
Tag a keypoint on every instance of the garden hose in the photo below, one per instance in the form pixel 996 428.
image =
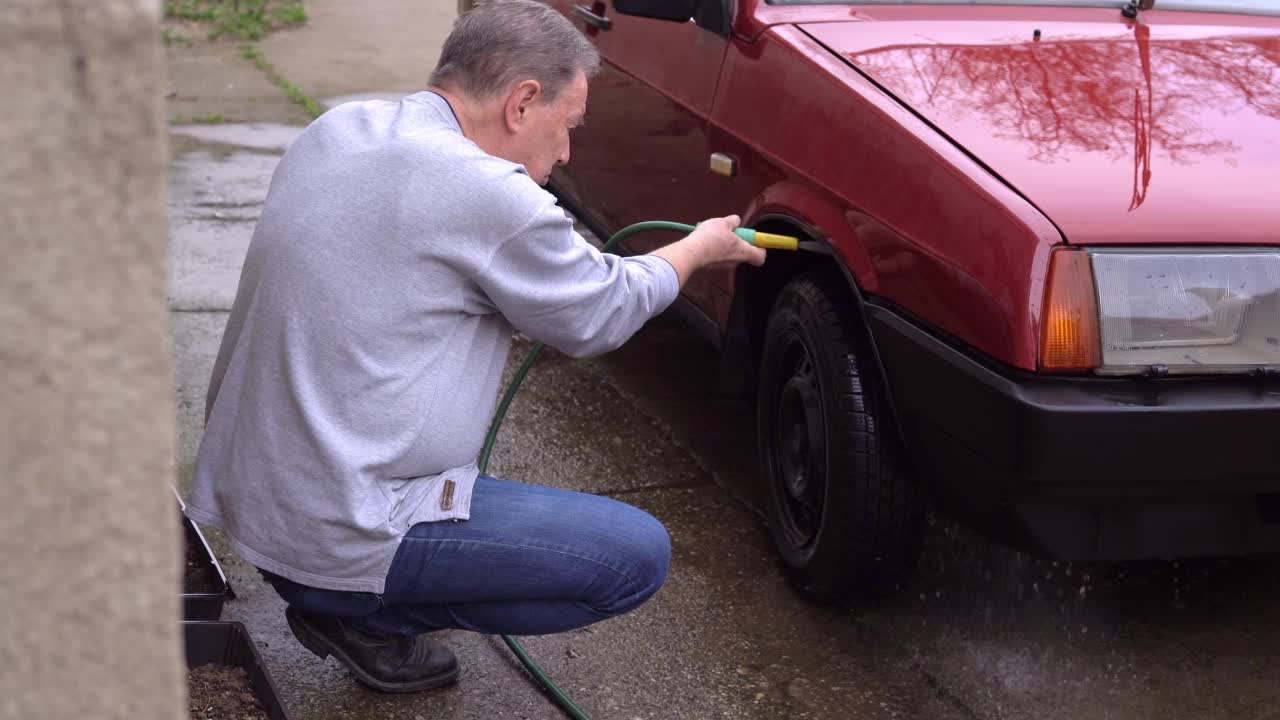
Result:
pixel 759 239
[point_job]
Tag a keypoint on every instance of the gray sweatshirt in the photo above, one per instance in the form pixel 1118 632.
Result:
pixel 360 364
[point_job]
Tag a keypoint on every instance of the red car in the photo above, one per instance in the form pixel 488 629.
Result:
pixel 1051 298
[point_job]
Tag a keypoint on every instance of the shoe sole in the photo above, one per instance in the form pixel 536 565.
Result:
pixel 323 647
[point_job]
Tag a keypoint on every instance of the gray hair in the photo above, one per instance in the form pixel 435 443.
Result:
pixel 504 42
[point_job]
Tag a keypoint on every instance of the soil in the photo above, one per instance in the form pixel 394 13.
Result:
pixel 217 692
pixel 200 577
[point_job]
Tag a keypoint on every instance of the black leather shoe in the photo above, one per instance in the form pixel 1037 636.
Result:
pixel 390 663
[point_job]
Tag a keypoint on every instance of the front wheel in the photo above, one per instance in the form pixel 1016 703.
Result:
pixel 844 514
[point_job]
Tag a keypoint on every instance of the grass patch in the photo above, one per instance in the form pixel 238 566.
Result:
pixel 210 119
pixel 253 53
pixel 191 10
pixel 239 19
pixel 291 14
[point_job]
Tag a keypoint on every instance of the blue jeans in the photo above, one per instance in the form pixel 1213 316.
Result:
pixel 531 560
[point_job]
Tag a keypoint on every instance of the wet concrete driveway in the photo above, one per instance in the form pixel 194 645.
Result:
pixel 982 632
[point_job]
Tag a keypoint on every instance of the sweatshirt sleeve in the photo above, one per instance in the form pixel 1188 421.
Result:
pixel 554 286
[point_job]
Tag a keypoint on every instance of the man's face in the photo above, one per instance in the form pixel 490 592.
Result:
pixel 544 141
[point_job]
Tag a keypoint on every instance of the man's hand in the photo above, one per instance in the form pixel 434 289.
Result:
pixel 711 244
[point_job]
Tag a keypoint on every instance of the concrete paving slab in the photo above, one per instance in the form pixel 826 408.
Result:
pixel 216 191
pixel 262 136
pixel 717 429
pixel 215 198
pixel 351 47
pixel 332 102
pixel 206 260
pixel 210 78
pixel 568 427
pixel 196 336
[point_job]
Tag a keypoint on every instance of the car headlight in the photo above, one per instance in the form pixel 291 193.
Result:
pixel 1191 311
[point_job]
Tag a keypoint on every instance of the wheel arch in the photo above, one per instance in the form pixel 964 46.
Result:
pixel 756 288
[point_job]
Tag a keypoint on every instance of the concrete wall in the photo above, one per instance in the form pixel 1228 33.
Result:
pixel 89 566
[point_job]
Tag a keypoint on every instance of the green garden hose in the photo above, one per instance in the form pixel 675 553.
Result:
pixel 756 238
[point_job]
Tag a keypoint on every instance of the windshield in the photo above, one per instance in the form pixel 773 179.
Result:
pixel 1247 7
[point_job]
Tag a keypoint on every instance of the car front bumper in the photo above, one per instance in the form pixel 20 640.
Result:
pixel 1088 468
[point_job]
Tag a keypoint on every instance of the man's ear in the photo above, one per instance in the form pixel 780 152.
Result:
pixel 519 101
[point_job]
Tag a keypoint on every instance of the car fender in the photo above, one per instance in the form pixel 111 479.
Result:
pixel 824 220
pixel 814 218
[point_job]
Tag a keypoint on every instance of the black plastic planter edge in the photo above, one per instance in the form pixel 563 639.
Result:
pixel 203 606
pixel 228 643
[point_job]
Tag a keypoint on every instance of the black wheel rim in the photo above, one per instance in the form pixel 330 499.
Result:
pixel 798 440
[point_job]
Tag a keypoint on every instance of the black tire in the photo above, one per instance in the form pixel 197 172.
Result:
pixel 844 514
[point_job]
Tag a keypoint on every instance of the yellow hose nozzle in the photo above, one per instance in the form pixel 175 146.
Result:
pixel 768 240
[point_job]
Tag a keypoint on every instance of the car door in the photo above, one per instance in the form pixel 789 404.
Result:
pixel 643 152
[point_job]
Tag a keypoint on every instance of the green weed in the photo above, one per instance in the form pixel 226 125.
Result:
pixel 291 14
pixel 254 54
pixel 193 10
pixel 239 19
pixel 210 119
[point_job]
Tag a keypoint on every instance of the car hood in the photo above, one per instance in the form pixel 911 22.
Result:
pixel 1120 132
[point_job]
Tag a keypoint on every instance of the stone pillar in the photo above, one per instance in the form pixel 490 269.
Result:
pixel 89 544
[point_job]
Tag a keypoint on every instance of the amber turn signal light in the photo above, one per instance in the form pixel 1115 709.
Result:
pixel 1069 334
